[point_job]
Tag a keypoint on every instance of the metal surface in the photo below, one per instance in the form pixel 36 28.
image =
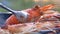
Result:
pixel 3 17
pixel 18 14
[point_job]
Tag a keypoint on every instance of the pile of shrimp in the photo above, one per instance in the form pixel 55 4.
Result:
pixel 48 21
pixel 45 22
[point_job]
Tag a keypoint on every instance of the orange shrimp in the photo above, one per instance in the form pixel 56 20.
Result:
pixel 45 8
pixel 34 13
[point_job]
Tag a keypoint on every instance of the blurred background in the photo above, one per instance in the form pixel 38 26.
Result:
pixel 24 4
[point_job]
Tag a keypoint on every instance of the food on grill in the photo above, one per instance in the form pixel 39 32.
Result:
pixel 33 20
pixel 34 14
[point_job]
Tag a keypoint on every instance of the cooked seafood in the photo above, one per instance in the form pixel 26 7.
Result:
pixel 37 19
